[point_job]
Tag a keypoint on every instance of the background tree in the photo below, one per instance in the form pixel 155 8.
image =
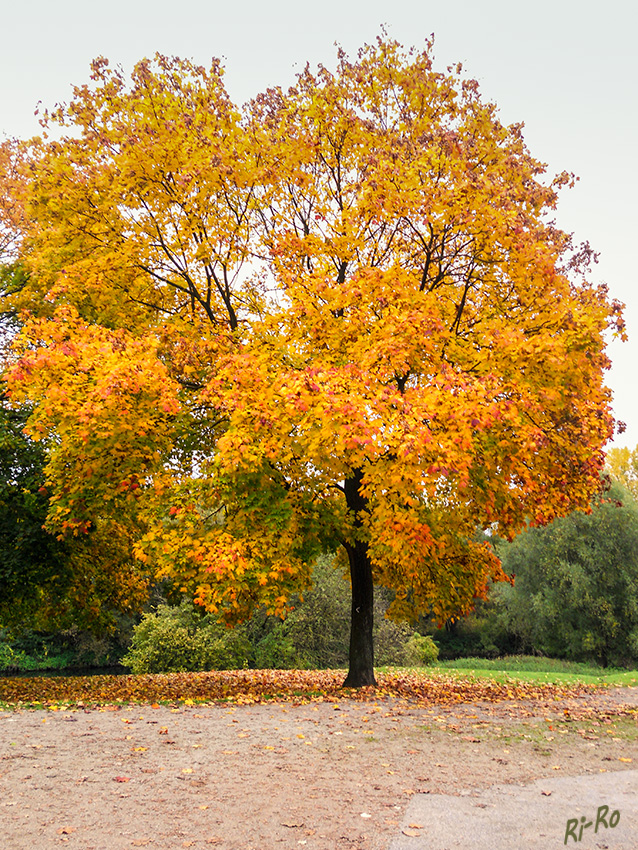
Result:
pixel 576 589
pixel 339 319
pixel 622 465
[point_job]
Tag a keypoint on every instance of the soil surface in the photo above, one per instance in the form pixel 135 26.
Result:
pixel 320 775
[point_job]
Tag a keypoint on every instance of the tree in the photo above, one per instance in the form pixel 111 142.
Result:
pixel 48 583
pixel 10 208
pixel 576 589
pixel 339 319
pixel 622 466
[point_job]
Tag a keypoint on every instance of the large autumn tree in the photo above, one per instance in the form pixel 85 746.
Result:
pixel 340 317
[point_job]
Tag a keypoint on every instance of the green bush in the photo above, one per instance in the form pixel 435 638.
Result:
pixel 277 650
pixel 179 639
pixel 420 651
pixel 12 660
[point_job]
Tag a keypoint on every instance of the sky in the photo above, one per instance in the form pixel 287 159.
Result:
pixel 567 69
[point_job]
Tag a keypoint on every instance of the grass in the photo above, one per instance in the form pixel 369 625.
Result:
pixel 529 668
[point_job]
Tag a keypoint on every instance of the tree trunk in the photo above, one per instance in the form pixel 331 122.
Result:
pixel 361 657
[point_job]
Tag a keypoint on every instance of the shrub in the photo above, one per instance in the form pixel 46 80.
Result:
pixel 277 650
pixel 420 651
pixel 390 638
pixel 11 660
pixel 179 639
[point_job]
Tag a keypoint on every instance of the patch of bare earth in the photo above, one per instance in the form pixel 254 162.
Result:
pixel 319 776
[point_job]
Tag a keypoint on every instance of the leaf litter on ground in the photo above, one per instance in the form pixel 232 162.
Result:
pixel 245 687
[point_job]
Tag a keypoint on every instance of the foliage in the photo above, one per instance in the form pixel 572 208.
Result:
pixel 32 562
pixel 12 660
pixel 314 635
pixel 47 582
pixel 11 210
pixel 622 465
pixel 66 650
pixel 178 639
pixel 420 651
pixel 576 590
pixel 337 319
pixel 469 637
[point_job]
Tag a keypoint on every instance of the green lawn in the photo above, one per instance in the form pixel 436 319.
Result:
pixel 528 668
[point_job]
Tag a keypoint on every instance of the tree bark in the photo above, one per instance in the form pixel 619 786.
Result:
pixel 361 655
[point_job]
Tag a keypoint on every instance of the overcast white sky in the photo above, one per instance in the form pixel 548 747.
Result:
pixel 567 68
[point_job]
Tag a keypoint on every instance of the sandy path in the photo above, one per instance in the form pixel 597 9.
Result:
pixel 318 776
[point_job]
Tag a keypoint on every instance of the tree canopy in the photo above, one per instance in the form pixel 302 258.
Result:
pixel 576 589
pixel 46 583
pixel 622 466
pixel 339 317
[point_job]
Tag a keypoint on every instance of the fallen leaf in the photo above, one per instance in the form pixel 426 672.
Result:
pixel 121 779
pixel 262 686
pixel 546 793
pixel 412 832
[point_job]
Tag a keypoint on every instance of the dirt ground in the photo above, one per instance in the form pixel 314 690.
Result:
pixel 319 776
